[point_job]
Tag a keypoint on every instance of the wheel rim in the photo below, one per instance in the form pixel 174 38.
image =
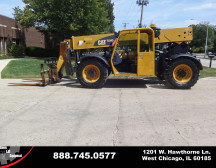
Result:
pixel 182 73
pixel 91 73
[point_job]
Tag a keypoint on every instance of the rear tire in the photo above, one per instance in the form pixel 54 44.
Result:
pixel 92 73
pixel 181 74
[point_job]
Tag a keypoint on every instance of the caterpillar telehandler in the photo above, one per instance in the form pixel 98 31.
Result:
pixel 148 52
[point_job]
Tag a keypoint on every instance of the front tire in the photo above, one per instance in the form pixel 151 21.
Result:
pixel 92 73
pixel 181 74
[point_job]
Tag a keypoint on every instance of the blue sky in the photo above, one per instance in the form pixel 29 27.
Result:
pixel 163 13
pixel 6 6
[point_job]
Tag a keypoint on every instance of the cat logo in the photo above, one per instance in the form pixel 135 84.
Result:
pixel 101 42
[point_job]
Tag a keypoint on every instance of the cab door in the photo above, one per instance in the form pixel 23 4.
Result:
pixel 145 53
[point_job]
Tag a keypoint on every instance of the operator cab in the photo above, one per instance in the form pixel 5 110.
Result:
pixel 135 47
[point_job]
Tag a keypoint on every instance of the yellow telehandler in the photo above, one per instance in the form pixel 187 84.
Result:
pixel 164 53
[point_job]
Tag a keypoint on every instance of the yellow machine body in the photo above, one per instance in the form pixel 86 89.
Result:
pixel 92 41
pixel 145 60
pixel 176 35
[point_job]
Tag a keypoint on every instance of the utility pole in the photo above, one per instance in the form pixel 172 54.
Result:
pixel 206 44
pixel 142 3
pixel 125 25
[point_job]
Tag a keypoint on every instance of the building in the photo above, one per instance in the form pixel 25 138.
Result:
pixel 12 32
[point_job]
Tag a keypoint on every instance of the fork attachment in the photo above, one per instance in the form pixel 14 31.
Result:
pixel 42 82
pixel 53 75
pixel 55 68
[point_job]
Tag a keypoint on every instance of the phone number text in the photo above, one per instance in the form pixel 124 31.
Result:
pixel 84 155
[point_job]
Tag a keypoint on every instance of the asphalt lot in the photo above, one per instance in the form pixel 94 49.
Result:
pixel 123 113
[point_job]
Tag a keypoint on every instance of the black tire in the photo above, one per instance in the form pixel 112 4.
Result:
pixel 189 73
pixel 101 74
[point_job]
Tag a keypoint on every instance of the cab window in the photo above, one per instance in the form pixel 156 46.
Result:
pixel 145 42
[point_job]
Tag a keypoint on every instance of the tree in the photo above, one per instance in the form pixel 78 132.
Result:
pixel 110 8
pixel 63 18
pixel 199 37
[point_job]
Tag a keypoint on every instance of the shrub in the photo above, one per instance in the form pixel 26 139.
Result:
pixel 3 56
pixel 202 50
pixel 34 51
pixel 16 50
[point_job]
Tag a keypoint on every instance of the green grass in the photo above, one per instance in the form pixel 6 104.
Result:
pixel 24 68
pixel 30 68
pixel 208 72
